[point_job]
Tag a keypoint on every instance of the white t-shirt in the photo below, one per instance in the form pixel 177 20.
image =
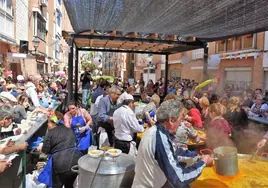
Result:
pixel 94 109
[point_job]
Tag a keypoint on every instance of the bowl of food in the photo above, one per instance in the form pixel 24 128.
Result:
pixel 114 152
pixel 95 153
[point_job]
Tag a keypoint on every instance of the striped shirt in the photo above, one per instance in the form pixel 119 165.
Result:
pixel 157 163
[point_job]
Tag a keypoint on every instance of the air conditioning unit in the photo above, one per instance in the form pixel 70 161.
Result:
pixel 44 3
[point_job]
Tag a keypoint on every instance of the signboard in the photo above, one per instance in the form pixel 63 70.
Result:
pixel 131 81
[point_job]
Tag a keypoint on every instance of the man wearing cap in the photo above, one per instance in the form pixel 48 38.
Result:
pixel 125 124
pixel 129 91
pixel 20 79
pixel 11 90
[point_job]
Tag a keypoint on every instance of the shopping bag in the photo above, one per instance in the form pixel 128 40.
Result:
pixel 103 138
pixel 133 150
pixel 31 183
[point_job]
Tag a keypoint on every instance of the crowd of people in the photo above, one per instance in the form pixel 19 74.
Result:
pixel 163 154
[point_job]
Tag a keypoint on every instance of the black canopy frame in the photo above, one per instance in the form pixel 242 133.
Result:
pixel 176 46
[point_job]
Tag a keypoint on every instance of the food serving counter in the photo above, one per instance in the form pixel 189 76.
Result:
pixel 252 174
pixel 14 177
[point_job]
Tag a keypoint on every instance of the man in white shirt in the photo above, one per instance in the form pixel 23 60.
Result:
pixel 157 164
pixel 125 124
pixel 129 91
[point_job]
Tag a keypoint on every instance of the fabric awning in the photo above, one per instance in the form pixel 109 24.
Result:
pixel 207 20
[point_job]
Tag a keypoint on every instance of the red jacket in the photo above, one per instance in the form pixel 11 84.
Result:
pixel 196 117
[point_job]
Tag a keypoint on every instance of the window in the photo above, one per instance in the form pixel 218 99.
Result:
pixel 58 19
pixel 3 4
pixel 238 43
pixel 145 71
pixel 46 68
pixel 229 45
pixel 40 28
pixel 152 71
pixel 248 41
pixel 40 68
pixel 57 48
pixel 162 73
pixel 221 46
pixel 59 1
pixel 9 7
pixel 6 5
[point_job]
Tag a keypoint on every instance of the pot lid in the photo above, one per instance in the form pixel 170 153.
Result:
pixel 109 165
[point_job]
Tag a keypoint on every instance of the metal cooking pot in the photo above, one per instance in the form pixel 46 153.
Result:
pixel 225 159
pixel 112 172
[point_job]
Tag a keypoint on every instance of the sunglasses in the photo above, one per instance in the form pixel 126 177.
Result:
pixel 9 118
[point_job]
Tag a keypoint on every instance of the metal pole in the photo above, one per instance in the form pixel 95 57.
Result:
pixel 205 66
pixel 166 75
pixel 76 73
pixel 70 72
pixel 148 73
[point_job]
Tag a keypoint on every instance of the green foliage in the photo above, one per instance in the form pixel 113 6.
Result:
pixel 91 66
pixel 1 71
pixel 110 78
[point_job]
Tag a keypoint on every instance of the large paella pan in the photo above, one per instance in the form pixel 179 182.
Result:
pixel 252 174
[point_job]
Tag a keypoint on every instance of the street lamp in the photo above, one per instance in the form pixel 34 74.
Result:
pixel 149 65
pixel 35 43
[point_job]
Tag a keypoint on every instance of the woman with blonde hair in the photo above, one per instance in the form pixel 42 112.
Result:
pixel 150 109
pixel 238 119
pixel 219 130
pixel 204 104
pixel 235 115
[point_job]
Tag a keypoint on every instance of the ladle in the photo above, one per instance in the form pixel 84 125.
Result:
pixel 254 155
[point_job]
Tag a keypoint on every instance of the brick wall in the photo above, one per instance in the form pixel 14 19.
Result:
pixel 260 41
pixel 29 67
pixel 257 73
pixel 254 64
pixel 176 67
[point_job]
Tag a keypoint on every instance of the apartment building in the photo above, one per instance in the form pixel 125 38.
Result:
pixel 7 37
pixel 265 62
pixel 28 20
pixel 149 67
pixel 115 64
pixel 241 62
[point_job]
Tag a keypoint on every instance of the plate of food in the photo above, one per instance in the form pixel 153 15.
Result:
pixel 95 153
pixel 114 152
pixel 202 136
pixel 105 148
